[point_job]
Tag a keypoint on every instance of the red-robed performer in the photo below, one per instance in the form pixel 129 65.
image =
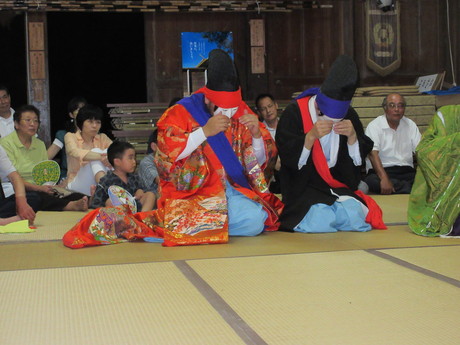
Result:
pixel 212 160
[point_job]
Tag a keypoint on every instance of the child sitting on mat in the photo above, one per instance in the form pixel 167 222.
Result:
pixel 122 157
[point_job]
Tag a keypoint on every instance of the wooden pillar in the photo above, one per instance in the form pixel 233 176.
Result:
pixel 347 42
pixel 257 73
pixel 150 67
pixel 37 73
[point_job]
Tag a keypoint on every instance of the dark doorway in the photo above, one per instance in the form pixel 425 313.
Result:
pixel 13 70
pixel 100 56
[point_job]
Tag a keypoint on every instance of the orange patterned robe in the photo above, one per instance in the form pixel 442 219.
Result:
pixel 192 208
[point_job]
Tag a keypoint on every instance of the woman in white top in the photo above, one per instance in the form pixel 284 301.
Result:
pixel 86 151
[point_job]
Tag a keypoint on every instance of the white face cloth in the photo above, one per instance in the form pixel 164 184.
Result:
pixel 229 112
pixel 325 117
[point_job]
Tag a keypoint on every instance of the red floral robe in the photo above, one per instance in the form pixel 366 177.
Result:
pixel 192 208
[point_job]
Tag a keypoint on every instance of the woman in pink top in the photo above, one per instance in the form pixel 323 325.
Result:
pixel 86 151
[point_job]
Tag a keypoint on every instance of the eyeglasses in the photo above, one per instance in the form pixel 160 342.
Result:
pixel 34 121
pixel 394 105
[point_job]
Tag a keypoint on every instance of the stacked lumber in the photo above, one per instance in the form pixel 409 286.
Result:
pixel 405 90
pixel 134 122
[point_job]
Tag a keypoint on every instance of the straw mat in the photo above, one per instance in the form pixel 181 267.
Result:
pixel 108 305
pixel 348 297
pixel 394 207
pixel 335 298
pixel 443 260
pixel 54 254
pixel 51 226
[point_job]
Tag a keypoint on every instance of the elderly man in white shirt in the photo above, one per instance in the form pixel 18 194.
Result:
pixel 390 165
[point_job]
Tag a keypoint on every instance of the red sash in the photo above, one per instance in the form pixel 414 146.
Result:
pixel 374 216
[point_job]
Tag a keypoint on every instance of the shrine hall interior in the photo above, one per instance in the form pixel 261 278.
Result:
pixel 347 288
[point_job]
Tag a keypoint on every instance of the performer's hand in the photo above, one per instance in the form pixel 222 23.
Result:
pixel 386 186
pixel 345 127
pixel 278 164
pixel 252 124
pixel 24 210
pixel 216 124
pixel 321 128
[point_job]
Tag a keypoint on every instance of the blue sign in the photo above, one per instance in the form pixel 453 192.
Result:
pixel 197 45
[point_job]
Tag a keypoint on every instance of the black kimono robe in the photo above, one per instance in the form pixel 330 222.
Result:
pixel 303 188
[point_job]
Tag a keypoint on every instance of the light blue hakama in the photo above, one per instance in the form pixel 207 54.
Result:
pixel 245 216
pixel 346 215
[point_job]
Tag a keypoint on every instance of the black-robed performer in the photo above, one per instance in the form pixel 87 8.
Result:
pixel 322 146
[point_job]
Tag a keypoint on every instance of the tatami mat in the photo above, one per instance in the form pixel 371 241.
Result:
pixel 51 226
pixel 54 254
pixel 335 298
pixel 379 287
pixel 125 304
pixel 442 260
pixel 394 207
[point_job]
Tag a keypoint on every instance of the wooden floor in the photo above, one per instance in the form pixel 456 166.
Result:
pixel 381 287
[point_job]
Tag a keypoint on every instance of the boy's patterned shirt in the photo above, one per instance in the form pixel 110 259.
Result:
pixel 101 193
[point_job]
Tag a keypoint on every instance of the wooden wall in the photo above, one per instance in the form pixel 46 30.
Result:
pixel 301 45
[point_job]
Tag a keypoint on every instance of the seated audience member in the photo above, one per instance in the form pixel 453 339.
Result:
pixel 21 205
pixel 75 104
pixel 86 151
pixel 267 108
pixel 390 164
pixel 434 200
pixel 147 168
pixel 6 112
pixel 322 146
pixel 25 150
pixel 122 157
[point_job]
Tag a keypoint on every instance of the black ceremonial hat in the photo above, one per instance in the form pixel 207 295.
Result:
pixel 342 79
pixel 221 72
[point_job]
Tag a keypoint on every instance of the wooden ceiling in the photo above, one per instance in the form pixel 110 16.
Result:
pixel 161 6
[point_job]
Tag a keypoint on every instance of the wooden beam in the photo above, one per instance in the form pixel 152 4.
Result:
pixel 159 6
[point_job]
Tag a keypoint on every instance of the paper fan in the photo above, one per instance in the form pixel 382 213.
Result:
pixel 46 173
pixel 120 196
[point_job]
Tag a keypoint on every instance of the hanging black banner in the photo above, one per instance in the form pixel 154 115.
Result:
pixel 383 39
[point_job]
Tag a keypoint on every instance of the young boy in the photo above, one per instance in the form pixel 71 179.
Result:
pixel 122 157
